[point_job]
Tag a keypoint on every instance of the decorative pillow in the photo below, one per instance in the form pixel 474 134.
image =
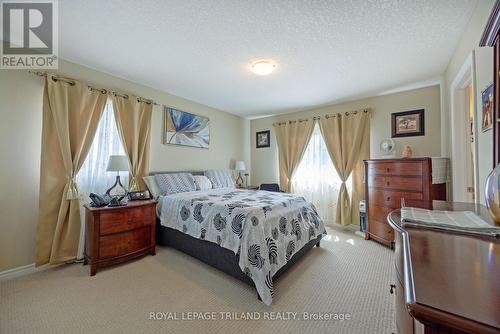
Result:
pixel 220 178
pixel 152 186
pixel 202 182
pixel 175 183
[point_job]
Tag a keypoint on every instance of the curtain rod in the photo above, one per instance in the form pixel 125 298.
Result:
pixel 72 82
pixel 315 118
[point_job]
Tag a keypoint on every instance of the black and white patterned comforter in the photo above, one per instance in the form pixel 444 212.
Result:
pixel 265 228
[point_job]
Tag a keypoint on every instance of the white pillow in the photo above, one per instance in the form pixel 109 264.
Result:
pixel 202 182
pixel 220 178
pixel 175 183
pixel 153 188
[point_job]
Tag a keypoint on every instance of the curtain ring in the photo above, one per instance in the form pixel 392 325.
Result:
pixel 140 99
pixel 70 82
pixel 101 90
pixel 125 96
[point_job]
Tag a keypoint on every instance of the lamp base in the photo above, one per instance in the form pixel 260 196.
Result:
pixel 117 183
pixel 239 180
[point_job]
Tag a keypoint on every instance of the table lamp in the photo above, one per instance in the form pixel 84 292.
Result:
pixel 117 163
pixel 240 167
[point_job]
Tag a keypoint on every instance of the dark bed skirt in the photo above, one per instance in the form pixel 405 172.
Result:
pixel 216 256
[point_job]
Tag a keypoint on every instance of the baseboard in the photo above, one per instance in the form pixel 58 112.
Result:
pixel 350 227
pixel 360 234
pixel 23 271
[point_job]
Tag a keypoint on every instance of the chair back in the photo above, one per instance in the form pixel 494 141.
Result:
pixel 270 187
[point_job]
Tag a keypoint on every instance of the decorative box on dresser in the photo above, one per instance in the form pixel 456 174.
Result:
pixel 388 181
pixel 118 234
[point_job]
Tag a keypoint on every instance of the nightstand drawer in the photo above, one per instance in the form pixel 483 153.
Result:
pixel 124 243
pixel 124 220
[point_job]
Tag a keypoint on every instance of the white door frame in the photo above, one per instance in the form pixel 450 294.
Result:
pixel 459 135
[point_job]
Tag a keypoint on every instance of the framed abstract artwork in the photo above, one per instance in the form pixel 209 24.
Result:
pixel 408 123
pixel 185 129
pixel 263 139
pixel 487 108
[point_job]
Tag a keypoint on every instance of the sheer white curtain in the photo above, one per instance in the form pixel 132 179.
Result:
pixel 317 180
pixel 93 177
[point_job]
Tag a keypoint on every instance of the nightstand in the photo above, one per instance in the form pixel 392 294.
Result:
pixel 118 234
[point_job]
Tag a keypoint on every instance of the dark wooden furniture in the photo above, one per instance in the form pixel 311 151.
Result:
pixel 388 181
pixel 491 37
pixel 445 282
pixel 118 234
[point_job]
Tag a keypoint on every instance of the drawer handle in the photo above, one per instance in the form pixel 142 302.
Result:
pixel 130 221
pixel 388 183
pixel 388 169
pixel 129 242
pixel 388 198
pixel 392 289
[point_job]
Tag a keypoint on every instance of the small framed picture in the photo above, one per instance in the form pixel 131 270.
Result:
pixel 408 123
pixel 487 106
pixel 263 139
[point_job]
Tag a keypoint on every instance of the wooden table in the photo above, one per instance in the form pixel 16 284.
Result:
pixel 446 282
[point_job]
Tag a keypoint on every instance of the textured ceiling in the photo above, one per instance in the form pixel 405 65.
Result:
pixel 327 50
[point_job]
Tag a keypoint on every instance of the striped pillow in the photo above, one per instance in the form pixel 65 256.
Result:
pixel 220 178
pixel 175 183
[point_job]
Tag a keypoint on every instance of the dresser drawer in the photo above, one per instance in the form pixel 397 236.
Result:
pixel 395 182
pixel 124 243
pixel 124 220
pixel 399 168
pixel 380 229
pixel 390 198
pixel 379 213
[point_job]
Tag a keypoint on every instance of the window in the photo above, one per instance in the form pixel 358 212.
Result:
pixel 93 176
pixel 317 180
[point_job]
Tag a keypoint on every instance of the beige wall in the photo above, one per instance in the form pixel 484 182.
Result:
pixel 264 160
pixel 20 136
pixel 484 69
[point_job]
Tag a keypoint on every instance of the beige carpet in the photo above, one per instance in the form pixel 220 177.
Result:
pixel 346 275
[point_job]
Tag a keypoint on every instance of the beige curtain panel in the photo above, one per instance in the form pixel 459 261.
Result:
pixel 133 119
pixel 347 138
pixel 292 138
pixel 71 113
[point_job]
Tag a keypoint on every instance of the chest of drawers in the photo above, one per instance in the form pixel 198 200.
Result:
pixel 388 181
pixel 117 234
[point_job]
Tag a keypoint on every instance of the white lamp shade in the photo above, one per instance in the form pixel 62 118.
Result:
pixel 240 166
pixel 117 163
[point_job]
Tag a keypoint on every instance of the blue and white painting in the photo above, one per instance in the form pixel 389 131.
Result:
pixel 183 128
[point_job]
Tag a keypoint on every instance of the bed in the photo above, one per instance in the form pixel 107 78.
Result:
pixel 251 235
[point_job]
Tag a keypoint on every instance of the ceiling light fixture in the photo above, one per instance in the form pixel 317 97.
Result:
pixel 263 67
